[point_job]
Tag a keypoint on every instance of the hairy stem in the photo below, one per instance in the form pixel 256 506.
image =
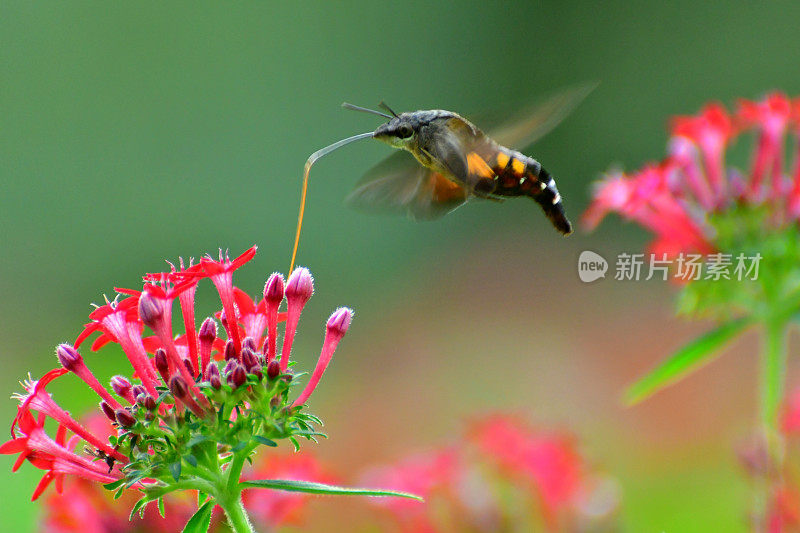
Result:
pixel 237 516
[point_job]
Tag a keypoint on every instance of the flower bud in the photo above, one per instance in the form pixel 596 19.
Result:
pixel 274 289
pixel 177 386
pixel 300 286
pixel 248 359
pixel 161 363
pixel 208 331
pixel 108 411
pixel 146 401
pixel 238 377
pixel 150 310
pixel 213 377
pixel 68 357
pixel 137 390
pixel 230 351
pixel 121 386
pixel 249 343
pixel 125 418
pixel 189 367
pixel 150 403
pixel 256 371
pixel 340 320
pixel 229 366
pixel 273 369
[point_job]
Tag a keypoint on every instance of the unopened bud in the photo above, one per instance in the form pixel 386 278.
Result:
pixel 256 371
pixel 121 386
pixel 150 310
pixel 146 401
pixel 68 356
pixel 137 390
pixel 125 418
pixel 274 289
pixel 213 377
pixel 273 369
pixel 249 343
pixel 237 377
pixel 340 320
pixel 208 331
pixel 230 351
pixel 177 386
pixel 108 411
pixel 150 403
pixel 300 285
pixel 188 365
pixel 160 361
pixel 248 359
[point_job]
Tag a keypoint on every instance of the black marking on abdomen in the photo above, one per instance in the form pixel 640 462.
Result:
pixel 524 176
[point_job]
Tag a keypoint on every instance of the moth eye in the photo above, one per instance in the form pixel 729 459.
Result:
pixel 405 131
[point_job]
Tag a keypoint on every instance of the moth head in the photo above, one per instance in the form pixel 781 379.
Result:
pixel 398 132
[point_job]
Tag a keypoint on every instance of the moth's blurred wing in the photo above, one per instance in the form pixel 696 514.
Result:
pixel 401 185
pixel 519 127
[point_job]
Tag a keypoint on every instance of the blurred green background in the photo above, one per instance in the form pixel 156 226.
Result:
pixel 138 132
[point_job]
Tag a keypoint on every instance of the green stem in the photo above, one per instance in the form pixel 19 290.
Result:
pixel 235 470
pixel 773 375
pixel 773 381
pixel 231 498
pixel 237 516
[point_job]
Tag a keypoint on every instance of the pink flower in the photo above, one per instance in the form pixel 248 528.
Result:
pixel 491 480
pixel 674 198
pixel 430 475
pixel 547 462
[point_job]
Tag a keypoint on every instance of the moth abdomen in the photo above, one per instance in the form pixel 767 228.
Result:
pixel 520 175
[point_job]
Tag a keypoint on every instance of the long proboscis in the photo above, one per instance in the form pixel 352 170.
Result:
pixel 309 163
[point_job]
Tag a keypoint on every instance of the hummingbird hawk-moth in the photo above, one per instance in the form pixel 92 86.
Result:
pixel 456 161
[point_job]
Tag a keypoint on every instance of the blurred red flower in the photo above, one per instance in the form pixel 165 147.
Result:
pixel 674 198
pixel 496 479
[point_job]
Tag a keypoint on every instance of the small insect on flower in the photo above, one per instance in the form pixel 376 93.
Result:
pixel 458 162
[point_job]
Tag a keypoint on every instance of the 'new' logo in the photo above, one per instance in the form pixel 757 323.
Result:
pixel 591 266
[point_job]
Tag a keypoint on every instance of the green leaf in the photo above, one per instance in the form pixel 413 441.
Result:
pixel 175 470
pixel 239 446
pixel 114 484
pixel 139 507
pixel 191 459
pixel 200 520
pixel 265 441
pixel 312 487
pixel 161 507
pixel 197 439
pixel 687 359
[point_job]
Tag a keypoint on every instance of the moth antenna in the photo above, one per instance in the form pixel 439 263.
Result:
pixel 309 162
pixel 383 105
pixel 365 110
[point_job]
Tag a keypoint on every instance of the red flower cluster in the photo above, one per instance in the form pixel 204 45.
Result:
pixel 181 364
pixel 673 198
pixel 499 451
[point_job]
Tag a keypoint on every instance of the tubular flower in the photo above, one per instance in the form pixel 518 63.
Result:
pixel 194 406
